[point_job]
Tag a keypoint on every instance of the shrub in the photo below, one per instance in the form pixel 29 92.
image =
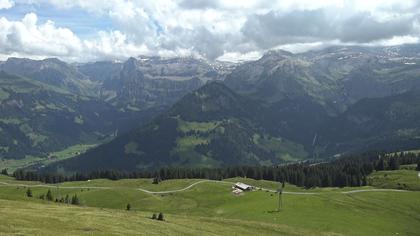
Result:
pixel 160 217
pixel 156 180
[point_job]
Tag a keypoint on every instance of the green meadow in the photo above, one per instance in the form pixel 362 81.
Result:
pixel 209 208
pixel 32 218
pixel 13 164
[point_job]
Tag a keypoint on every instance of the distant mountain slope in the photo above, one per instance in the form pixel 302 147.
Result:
pixel 136 84
pixel 125 95
pixel 36 118
pixel 387 123
pixel 100 70
pixel 53 72
pixel 335 77
pixel 155 82
pixel 214 126
pixel 210 127
pixel 182 68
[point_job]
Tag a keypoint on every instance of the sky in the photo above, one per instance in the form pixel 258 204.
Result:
pixel 232 30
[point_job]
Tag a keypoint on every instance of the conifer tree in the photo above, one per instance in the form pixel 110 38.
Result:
pixel 381 165
pixel 29 192
pixel 394 164
pixel 75 200
pixel 128 207
pixel 49 196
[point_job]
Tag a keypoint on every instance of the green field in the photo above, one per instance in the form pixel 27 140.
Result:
pixel 208 208
pixel 51 219
pixel 13 164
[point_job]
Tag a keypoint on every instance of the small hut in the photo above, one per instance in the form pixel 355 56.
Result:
pixel 243 187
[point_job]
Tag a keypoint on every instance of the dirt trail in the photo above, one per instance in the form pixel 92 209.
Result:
pixel 194 184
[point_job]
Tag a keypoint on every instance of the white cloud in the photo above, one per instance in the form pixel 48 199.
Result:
pixel 29 38
pixel 111 45
pixel 213 28
pixel 6 4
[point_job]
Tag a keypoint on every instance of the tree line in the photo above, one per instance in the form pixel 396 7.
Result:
pixel 350 170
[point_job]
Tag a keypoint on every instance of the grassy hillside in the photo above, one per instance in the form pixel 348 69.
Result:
pixel 330 211
pixel 28 218
pixel 398 179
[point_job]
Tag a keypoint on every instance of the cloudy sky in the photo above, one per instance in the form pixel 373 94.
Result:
pixel 89 30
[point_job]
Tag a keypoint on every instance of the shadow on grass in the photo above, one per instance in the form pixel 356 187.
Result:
pixel 274 211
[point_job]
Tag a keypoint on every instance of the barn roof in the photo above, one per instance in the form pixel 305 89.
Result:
pixel 243 186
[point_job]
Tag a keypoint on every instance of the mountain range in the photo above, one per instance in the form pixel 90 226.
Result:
pixel 48 105
pixel 283 107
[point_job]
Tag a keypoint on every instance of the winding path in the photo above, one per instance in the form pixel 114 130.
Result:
pixel 375 190
pixel 52 186
pixel 196 183
pixel 183 189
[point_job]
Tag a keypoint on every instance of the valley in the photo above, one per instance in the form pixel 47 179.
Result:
pixel 13 164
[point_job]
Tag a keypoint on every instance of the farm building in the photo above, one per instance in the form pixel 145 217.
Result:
pixel 243 187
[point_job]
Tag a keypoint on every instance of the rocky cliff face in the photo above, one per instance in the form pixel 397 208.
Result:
pixel 137 88
pixel 139 83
